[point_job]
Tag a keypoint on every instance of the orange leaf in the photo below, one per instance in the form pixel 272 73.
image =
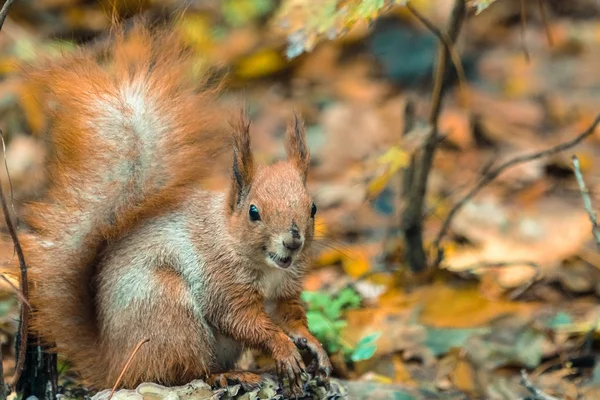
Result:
pixel 448 307
pixel 463 376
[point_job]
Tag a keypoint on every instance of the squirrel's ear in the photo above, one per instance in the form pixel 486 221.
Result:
pixel 295 145
pixel 243 163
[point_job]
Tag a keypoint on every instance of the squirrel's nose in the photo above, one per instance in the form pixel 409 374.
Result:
pixel 292 243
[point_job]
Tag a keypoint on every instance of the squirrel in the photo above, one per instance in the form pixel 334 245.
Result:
pixel 126 245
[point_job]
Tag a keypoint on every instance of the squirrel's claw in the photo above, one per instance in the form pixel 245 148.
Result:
pixel 247 380
pixel 292 369
pixel 320 366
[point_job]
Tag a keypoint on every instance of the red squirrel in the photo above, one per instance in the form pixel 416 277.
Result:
pixel 127 246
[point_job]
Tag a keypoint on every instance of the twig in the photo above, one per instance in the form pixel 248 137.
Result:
pixel 491 264
pixel 447 42
pixel 495 172
pixel 24 287
pixel 545 22
pixel 537 393
pixel 137 348
pixel 17 291
pixel 523 31
pixel 412 217
pixel 23 292
pixel 587 201
pixel 4 11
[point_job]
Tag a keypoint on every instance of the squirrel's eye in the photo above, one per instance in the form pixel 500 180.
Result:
pixel 313 210
pixel 254 215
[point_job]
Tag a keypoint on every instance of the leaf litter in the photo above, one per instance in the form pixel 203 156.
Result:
pixel 462 335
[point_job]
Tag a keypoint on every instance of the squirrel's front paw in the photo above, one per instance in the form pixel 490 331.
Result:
pixel 320 366
pixel 290 366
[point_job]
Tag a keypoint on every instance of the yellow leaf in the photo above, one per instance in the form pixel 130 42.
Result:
pixel 261 63
pixel 395 157
pixel 196 30
pixel 465 307
pixel 378 184
pixel 356 262
pixel 328 257
pixel 392 160
pixel 585 162
pixel 380 379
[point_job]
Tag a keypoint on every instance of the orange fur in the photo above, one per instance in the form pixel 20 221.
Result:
pixel 126 246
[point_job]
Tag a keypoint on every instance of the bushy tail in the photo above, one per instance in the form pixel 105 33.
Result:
pixel 128 136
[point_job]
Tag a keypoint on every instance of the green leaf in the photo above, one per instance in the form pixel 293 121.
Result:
pixel 369 339
pixel 560 319
pixel 317 323
pixel 316 300
pixel 348 297
pixel 340 324
pixel 240 12
pixel 481 5
pixel 363 353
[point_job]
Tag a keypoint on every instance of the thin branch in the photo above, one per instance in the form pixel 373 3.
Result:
pixel 137 348
pixel 495 172
pixel 503 264
pixel 587 201
pixel 24 290
pixel 16 290
pixel 24 286
pixel 447 42
pixel 4 11
pixel 535 392
pixel 545 23
pixel 412 217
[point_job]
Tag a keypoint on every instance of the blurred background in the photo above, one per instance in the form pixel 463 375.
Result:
pixel 519 284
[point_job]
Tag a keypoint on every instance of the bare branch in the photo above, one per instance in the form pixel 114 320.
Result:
pixel 16 290
pixel 133 353
pixel 587 201
pixel 447 42
pixel 537 393
pixel 412 217
pixel 24 286
pixel 545 22
pixel 495 172
pixel 4 11
pixel 24 320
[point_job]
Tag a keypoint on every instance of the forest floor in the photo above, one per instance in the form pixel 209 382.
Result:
pixel 520 283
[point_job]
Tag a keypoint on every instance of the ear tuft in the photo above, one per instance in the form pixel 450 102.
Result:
pixel 295 145
pixel 243 162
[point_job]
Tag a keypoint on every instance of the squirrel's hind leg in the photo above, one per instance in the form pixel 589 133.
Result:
pixel 179 349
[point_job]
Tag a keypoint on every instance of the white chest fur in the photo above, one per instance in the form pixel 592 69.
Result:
pixel 272 283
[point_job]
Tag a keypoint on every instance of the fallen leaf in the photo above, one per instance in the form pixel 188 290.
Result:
pixel 356 261
pixel 261 63
pixel 463 376
pixel 447 307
